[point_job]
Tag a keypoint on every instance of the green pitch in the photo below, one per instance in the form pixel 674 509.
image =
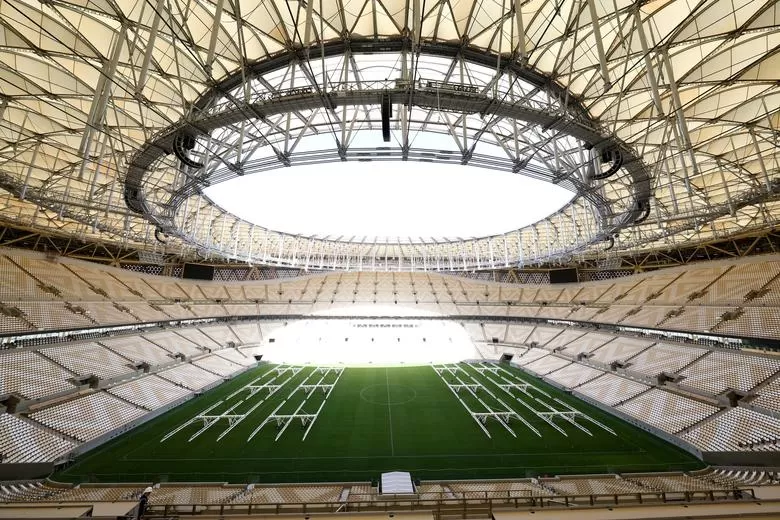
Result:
pixel 360 422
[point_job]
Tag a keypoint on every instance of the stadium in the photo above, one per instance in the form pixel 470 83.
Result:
pixel 370 259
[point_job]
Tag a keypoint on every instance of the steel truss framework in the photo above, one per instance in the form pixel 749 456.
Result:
pixel 691 88
pixel 507 119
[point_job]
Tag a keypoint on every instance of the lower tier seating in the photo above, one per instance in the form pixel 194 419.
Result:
pixel 21 441
pixel 736 429
pixel 667 411
pixel 89 417
pixel 150 392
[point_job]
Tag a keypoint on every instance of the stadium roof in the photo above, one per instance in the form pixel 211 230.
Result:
pixel 661 116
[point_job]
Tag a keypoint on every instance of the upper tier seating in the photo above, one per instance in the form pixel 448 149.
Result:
pixel 733 297
pixel 90 416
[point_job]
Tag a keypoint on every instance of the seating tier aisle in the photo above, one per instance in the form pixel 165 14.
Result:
pixel 737 429
pixel 667 411
pixel 235 356
pixel 529 356
pixel 89 359
pixel 219 333
pixel 587 343
pixel 574 375
pixel 21 441
pixel 721 370
pixel 90 416
pixel 620 349
pixel 664 357
pixel 102 282
pixel 196 337
pixel 138 349
pixel 15 284
pixel 189 376
pixel 769 396
pixel 57 278
pixel 106 313
pixel 173 343
pixel 545 365
pixel 52 315
pixel 218 365
pixel 150 392
pixel 31 375
pixel 611 389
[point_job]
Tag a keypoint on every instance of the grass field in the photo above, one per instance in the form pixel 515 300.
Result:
pixel 373 420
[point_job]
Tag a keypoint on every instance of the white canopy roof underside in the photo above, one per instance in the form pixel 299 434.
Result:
pixel 692 86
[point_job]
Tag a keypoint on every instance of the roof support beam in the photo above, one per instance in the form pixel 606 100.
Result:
pixel 680 115
pixel 649 69
pixel 149 47
pixel 760 159
pixel 520 31
pixel 99 102
pixel 599 44
pixel 214 34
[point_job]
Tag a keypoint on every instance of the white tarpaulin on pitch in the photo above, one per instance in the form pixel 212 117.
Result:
pixel 397 483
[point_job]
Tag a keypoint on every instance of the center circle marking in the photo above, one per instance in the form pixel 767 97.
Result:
pixel 388 395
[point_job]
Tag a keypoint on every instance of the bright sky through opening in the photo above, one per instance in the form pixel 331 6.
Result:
pixel 389 201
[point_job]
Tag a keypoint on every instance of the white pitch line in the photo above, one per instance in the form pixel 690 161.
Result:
pixel 192 420
pixel 316 415
pixel 482 426
pixel 291 419
pixel 542 417
pixel 214 421
pixel 509 408
pixel 525 382
pixel 483 403
pixel 267 419
pixel 589 418
pixel 565 415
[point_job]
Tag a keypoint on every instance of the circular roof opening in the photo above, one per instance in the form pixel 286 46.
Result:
pixel 389 201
